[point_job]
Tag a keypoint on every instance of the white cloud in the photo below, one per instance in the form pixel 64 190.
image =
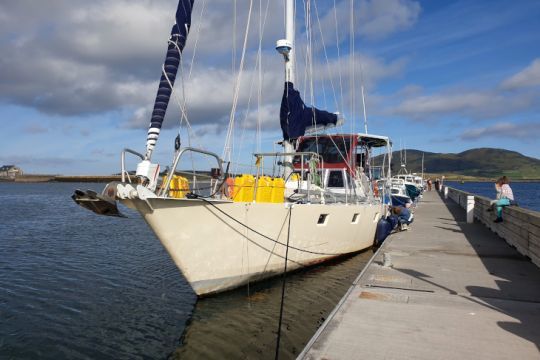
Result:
pixel 530 76
pixel 504 130
pixel 374 19
pixel 81 58
pixel 378 18
pixel 422 106
pixel 477 104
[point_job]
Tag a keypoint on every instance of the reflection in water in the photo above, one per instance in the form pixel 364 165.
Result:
pixel 243 324
pixel 81 286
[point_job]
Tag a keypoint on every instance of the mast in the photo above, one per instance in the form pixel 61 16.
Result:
pixel 295 117
pixel 285 47
pixel 289 36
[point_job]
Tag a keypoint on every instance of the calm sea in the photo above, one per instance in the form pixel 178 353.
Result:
pixel 527 194
pixel 77 285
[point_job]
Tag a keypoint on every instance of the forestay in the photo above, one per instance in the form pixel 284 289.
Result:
pixel 177 41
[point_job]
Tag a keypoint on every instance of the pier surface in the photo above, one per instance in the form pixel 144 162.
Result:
pixel 454 291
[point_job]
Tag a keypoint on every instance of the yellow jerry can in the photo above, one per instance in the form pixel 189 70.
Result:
pixel 278 190
pixel 264 189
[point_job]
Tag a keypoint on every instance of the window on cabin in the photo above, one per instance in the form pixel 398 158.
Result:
pixel 335 179
pixel 333 150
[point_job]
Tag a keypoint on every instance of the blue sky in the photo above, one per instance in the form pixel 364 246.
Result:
pixel 77 79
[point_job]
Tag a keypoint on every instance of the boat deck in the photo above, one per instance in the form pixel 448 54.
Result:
pixel 454 291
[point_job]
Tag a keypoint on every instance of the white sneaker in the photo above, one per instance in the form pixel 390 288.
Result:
pixel 404 227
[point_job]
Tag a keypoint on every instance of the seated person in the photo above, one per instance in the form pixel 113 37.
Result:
pixel 404 215
pixel 505 196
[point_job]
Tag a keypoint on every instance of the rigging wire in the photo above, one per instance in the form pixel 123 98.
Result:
pixel 351 54
pixel 339 58
pixel 258 70
pixel 184 98
pixel 182 103
pixel 228 141
pixel 330 74
pixel 363 96
pixel 191 133
pixel 259 73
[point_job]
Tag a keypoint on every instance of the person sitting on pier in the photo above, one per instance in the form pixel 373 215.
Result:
pixel 404 215
pixel 505 197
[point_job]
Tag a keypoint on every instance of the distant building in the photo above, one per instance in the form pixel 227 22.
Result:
pixel 10 171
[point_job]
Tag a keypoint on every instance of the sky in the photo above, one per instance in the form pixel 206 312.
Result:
pixel 78 79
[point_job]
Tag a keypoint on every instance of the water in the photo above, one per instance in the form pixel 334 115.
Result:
pixel 77 285
pixel 527 194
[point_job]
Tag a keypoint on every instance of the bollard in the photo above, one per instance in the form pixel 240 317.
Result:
pixel 446 192
pixel 470 209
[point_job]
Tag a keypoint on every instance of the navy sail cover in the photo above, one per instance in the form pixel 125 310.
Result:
pixel 177 41
pixel 295 116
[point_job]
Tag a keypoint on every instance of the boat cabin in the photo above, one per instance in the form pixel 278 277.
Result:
pixel 342 157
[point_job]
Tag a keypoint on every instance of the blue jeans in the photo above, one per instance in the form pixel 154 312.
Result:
pixel 500 204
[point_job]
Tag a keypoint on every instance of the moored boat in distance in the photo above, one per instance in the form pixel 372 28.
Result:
pixel 398 192
pixel 414 186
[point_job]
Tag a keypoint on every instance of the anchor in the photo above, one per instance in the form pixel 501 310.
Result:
pixel 99 203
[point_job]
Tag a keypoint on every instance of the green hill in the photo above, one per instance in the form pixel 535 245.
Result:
pixel 482 162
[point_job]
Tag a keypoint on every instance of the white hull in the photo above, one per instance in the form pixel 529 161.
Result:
pixel 216 253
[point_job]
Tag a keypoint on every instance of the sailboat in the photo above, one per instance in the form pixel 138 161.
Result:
pixel 320 204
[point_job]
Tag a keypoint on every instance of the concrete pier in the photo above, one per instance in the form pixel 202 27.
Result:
pixel 445 289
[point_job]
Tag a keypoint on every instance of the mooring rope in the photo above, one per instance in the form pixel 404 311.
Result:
pixel 262 235
pixel 278 340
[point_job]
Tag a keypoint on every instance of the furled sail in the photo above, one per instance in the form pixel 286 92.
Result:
pixel 177 41
pixel 295 117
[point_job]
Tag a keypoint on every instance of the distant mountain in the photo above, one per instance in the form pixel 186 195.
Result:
pixel 482 162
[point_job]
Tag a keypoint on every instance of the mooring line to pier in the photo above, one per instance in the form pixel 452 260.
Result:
pixel 283 286
pixel 262 235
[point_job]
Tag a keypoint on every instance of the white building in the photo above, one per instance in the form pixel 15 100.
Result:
pixel 10 171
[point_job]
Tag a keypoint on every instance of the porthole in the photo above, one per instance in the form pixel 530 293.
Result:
pixel 323 219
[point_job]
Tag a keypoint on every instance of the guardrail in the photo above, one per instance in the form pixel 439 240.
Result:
pixel 520 228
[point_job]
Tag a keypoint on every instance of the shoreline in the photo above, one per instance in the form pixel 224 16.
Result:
pixel 46 178
pixel 40 178
pixel 63 178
